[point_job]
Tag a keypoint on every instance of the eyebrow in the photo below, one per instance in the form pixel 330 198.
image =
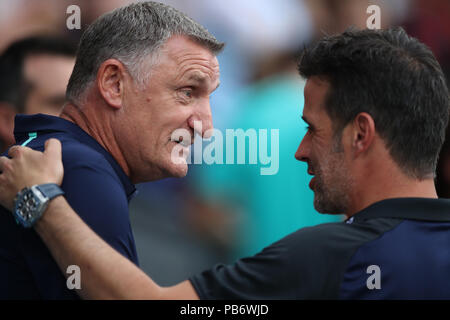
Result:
pixel 198 78
pixel 308 123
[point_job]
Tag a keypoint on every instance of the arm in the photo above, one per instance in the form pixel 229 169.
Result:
pixel 105 274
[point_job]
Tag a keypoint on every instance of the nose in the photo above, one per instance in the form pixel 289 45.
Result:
pixel 202 115
pixel 302 153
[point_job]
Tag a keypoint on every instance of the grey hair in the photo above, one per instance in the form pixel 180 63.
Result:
pixel 133 35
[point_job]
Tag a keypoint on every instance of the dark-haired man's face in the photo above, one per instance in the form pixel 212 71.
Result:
pixel 47 76
pixel 324 153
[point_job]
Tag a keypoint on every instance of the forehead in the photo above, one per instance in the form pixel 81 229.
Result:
pixel 186 58
pixel 315 92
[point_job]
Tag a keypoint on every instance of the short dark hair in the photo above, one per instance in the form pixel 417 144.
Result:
pixel 13 86
pixel 393 77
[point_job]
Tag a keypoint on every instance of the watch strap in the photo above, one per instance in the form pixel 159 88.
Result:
pixel 50 190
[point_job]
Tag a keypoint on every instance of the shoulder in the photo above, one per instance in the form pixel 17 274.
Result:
pixel 335 236
pixel 75 153
pixel 316 237
pixel 307 264
pixel 90 183
pixel 316 257
pixel 87 171
pixel 83 162
pixel 295 267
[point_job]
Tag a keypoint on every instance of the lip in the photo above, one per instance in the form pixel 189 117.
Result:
pixel 186 150
pixel 180 142
pixel 185 147
pixel 312 183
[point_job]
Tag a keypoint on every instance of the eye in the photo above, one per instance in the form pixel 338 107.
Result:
pixel 187 92
pixel 309 130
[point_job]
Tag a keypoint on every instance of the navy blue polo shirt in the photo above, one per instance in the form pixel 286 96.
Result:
pixel 393 249
pixel 97 189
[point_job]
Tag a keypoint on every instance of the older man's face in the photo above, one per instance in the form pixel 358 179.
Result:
pixel 176 95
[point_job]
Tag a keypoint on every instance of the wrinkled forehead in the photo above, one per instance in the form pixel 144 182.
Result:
pixel 188 57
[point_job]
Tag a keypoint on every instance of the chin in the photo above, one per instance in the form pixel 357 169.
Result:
pixel 167 170
pixel 177 170
pixel 181 173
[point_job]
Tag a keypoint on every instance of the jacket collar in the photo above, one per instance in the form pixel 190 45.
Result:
pixel 425 209
pixel 40 123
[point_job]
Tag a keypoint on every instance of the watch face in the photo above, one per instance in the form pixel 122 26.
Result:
pixel 27 206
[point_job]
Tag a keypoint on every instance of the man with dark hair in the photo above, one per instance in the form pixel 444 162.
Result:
pixel 34 72
pixel 377 107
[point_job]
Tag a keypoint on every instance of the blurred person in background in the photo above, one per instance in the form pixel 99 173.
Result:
pixel 34 73
pixel 429 21
pixel 21 18
pixel 335 16
pixel 443 169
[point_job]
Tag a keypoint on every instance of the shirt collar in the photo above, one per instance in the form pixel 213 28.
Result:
pixel 24 124
pixel 425 209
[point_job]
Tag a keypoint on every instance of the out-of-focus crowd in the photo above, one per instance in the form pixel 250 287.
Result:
pixel 219 212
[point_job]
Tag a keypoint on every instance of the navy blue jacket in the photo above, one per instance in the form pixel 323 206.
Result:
pixel 97 189
pixel 393 249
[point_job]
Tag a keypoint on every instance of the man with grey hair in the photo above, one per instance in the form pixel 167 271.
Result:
pixel 141 72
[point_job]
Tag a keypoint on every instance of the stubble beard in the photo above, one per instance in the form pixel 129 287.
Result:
pixel 332 185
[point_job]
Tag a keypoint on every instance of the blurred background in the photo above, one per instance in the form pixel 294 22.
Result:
pixel 218 213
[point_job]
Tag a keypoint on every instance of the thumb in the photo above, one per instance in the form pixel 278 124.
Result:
pixel 53 148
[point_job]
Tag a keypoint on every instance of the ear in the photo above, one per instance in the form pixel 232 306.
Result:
pixel 7 114
pixel 363 133
pixel 110 81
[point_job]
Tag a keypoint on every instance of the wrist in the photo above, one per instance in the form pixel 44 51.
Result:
pixel 54 207
pixel 31 203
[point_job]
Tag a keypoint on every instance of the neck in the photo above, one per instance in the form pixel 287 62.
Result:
pixel 98 127
pixel 393 185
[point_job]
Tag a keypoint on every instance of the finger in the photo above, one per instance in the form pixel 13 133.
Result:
pixel 53 148
pixel 3 162
pixel 16 151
